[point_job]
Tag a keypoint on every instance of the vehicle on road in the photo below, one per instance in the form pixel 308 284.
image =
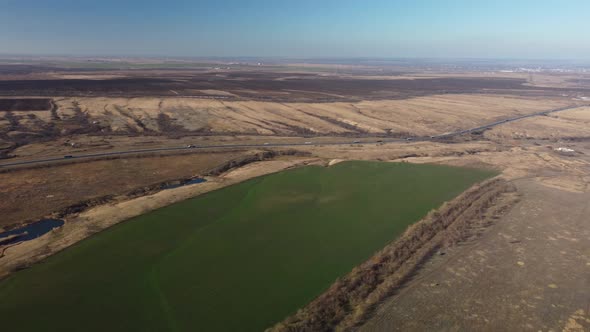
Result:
pixel 68 157
pixel 190 146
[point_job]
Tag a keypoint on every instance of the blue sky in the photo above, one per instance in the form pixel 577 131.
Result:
pixel 526 29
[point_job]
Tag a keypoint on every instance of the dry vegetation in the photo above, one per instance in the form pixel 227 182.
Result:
pixel 55 188
pixel 570 124
pixel 523 272
pixel 186 117
pixel 422 115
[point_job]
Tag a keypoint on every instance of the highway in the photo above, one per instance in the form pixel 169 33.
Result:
pixel 494 124
pixel 343 141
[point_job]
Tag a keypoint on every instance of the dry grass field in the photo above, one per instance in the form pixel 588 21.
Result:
pixel 170 117
pixel 55 188
pixel 526 271
pixel 570 124
pixel 420 116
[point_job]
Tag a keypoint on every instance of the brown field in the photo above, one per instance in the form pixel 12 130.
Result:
pixel 25 104
pixel 260 85
pixel 55 188
pixel 420 116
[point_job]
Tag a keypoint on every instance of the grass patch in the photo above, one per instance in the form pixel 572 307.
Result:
pixel 237 259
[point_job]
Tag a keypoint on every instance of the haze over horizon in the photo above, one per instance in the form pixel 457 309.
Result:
pixel 545 29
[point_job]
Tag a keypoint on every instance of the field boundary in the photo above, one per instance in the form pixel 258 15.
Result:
pixel 350 301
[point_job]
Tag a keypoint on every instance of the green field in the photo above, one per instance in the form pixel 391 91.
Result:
pixel 237 259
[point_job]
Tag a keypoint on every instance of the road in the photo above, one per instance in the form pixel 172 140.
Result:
pixel 267 145
pixel 493 124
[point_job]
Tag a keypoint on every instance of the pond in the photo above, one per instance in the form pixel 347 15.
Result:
pixel 184 183
pixel 30 231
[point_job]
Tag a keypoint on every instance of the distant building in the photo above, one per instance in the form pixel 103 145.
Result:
pixel 565 151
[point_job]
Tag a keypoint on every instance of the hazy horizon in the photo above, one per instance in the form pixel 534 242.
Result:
pixel 378 29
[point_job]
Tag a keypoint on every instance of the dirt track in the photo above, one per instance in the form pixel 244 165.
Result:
pixel 529 271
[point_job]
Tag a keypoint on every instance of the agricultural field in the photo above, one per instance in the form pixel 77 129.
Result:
pixel 240 258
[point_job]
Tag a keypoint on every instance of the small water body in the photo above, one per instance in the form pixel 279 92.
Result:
pixel 185 183
pixel 31 231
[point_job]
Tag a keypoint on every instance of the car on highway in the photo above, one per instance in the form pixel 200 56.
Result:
pixel 307 143
pixel 190 146
pixel 68 157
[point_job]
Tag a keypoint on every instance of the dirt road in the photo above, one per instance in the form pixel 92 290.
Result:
pixel 530 271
